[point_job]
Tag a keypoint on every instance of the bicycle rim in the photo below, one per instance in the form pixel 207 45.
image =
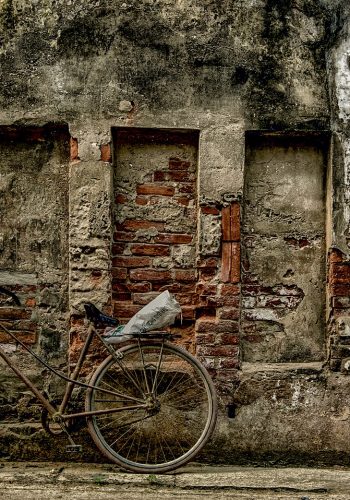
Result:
pixel 179 417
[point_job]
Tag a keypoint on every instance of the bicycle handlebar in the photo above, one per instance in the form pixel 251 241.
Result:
pixel 10 294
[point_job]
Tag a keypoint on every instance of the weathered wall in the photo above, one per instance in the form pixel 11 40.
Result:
pixel 221 68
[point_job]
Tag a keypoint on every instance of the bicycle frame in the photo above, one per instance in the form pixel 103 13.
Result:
pixel 72 381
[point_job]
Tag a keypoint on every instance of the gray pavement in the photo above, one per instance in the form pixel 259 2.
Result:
pixel 38 481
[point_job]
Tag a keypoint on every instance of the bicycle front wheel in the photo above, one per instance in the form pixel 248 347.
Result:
pixel 164 407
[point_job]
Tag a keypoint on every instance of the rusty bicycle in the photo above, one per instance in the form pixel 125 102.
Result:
pixel 150 406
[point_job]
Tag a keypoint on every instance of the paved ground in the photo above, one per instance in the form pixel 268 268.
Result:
pixel 38 481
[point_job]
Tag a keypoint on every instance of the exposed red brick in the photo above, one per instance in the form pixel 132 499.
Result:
pixel 125 310
pixel 226 261
pixel 226 223
pixel 120 287
pixel 123 236
pixel 182 200
pixel 335 256
pixel 185 275
pixel 106 154
pixel 118 248
pixel 144 298
pixel 186 187
pixel 228 313
pixel 74 154
pixel 121 296
pixel 206 289
pixel 147 249
pixel 340 273
pixel 229 289
pixel 210 262
pixel 177 164
pixel 205 338
pixel 121 198
pixel 25 337
pixel 235 222
pixel 142 287
pixel 204 325
pixel 30 302
pixel 210 211
pixel 149 275
pixel 228 363
pixel 132 261
pixel 136 225
pixel 14 313
pixel 228 339
pixel 174 238
pixel 340 289
pixel 186 298
pixel 207 274
pixel 120 274
pixel 188 312
pixel 141 200
pixel 235 275
pixel 155 189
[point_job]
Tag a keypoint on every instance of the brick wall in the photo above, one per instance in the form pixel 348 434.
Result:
pixel 339 308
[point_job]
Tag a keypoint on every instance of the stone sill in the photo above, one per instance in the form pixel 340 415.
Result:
pixel 312 367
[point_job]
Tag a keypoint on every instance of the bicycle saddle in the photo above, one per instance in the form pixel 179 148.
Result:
pixel 98 318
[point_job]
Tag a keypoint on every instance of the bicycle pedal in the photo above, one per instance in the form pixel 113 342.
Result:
pixel 74 448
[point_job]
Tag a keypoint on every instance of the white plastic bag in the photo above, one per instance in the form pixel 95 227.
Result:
pixel 160 312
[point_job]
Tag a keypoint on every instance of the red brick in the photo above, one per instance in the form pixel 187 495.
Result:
pixel 228 313
pixel 340 273
pixel 185 275
pixel 121 296
pixel 235 275
pixel 235 222
pixel 139 287
pixel 30 302
pixel 74 154
pixel 230 222
pixel 144 298
pixel 120 287
pixel 228 363
pixel 141 200
pixel 123 236
pixel 133 261
pixel 124 309
pixel 206 289
pixel 211 262
pixel 144 249
pixel 205 338
pixel 340 289
pixel 177 164
pixel 210 211
pixel 120 274
pixel 226 223
pixel 226 261
pixel 228 339
pixel 335 256
pixel 25 337
pixel 136 225
pixel 188 312
pixel 182 200
pixel 186 187
pixel 118 248
pixel 155 189
pixel 174 238
pixel 106 154
pixel 149 275
pixel 14 313
pixel 121 198
pixel 229 289
pixel 207 325
pixel 186 299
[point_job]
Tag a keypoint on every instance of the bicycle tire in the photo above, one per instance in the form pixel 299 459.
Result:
pixel 169 435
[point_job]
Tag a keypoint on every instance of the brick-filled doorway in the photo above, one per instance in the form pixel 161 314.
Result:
pixel 155 217
pixel 284 259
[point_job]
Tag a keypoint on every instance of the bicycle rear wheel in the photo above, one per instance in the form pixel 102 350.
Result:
pixel 167 406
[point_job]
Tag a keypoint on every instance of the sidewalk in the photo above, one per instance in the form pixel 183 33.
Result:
pixel 85 481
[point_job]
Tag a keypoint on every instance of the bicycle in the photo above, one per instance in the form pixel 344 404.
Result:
pixel 150 406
